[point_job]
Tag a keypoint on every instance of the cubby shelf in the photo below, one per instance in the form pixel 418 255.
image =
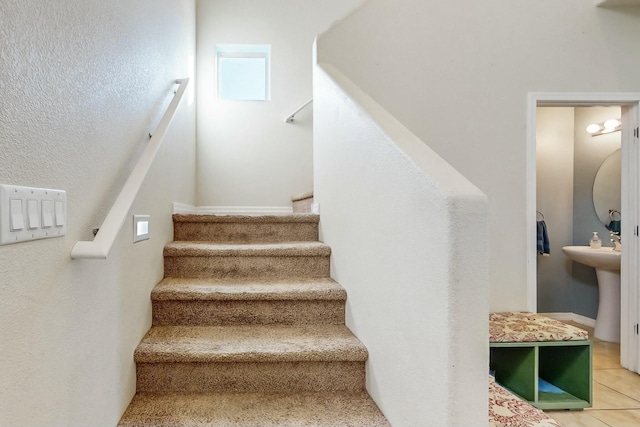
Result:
pixel 519 366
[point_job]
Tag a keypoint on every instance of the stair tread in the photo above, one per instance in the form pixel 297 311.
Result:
pixel 335 409
pixel 250 343
pixel 241 289
pixel 283 218
pixel 196 248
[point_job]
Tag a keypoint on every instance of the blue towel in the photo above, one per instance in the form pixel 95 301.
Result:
pixel 545 387
pixel 615 226
pixel 543 238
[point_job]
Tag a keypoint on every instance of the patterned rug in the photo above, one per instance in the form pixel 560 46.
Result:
pixel 508 410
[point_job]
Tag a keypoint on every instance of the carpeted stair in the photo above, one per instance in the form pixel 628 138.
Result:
pixel 301 203
pixel 248 331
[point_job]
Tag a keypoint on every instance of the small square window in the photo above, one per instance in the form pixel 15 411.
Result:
pixel 243 72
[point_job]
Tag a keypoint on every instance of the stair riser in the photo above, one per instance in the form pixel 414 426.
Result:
pixel 220 313
pixel 246 233
pixel 254 409
pixel 244 267
pixel 302 206
pixel 250 377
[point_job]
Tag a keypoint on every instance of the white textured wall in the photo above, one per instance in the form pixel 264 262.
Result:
pixel 247 155
pixel 409 243
pixel 82 83
pixel 554 187
pixel 457 73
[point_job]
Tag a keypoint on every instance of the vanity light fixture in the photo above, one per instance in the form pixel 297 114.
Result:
pixel 611 125
pixel 593 128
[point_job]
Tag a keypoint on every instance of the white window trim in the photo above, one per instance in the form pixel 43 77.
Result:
pixel 237 51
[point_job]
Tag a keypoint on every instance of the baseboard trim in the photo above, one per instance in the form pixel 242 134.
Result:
pixel 573 317
pixel 181 208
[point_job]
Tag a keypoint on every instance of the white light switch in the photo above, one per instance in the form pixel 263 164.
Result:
pixel 17 215
pixel 30 213
pixel 59 206
pixel 47 213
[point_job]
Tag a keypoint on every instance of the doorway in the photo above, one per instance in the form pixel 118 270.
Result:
pixel 629 103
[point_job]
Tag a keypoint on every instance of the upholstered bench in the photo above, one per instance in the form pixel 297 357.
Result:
pixel 542 360
pixel 507 410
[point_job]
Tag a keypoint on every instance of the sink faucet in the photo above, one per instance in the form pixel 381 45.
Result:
pixel 616 240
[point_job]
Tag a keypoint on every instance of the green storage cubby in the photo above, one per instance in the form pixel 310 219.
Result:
pixel 514 369
pixel 565 365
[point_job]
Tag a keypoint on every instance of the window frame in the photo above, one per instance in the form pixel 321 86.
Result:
pixel 244 52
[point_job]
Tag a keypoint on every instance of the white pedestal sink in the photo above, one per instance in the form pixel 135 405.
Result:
pixel 606 261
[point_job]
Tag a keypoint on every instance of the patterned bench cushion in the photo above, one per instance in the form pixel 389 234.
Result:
pixel 530 327
pixel 508 410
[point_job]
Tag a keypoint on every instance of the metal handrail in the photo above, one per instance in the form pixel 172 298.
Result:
pixel 292 116
pixel 100 246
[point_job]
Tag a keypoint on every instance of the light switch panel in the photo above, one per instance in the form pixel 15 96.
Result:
pixel 29 213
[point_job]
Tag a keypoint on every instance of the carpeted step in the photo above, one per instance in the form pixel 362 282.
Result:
pixel 267 261
pixel 273 358
pixel 180 301
pixel 246 228
pixel 253 410
pixel 301 203
pixel 248 330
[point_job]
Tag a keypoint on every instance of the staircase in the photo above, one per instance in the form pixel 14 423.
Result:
pixel 248 330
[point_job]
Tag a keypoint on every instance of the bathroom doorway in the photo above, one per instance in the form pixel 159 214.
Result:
pixel 571 167
pixel 629 106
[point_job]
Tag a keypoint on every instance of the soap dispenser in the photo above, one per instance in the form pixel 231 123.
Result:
pixel 595 242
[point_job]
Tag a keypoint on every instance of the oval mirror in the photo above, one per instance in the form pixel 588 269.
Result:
pixel 606 189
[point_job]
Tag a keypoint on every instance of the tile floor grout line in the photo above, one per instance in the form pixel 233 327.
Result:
pixel 619 392
pixel 603 422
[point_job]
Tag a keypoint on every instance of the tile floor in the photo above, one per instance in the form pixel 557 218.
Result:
pixel 616 392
